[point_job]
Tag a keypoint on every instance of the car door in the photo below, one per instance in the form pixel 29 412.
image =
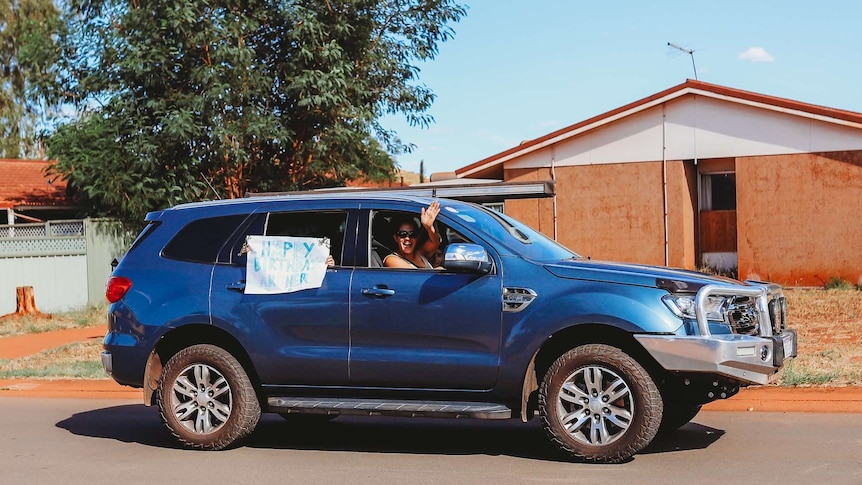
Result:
pixel 422 329
pixel 297 338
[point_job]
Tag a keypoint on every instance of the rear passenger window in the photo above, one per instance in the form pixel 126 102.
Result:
pixel 330 225
pixel 199 241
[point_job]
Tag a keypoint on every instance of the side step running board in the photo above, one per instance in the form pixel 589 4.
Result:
pixel 385 407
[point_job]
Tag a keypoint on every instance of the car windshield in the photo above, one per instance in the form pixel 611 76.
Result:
pixel 516 236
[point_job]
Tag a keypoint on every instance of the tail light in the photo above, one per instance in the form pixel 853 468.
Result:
pixel 117 287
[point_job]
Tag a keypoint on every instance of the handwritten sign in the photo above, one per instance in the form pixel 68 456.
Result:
pixel 283 264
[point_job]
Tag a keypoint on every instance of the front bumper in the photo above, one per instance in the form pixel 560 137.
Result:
pixel 750 360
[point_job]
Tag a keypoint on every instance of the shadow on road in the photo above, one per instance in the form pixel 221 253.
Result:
pixel 406 435
pixel 132 423
pixel 140 424
pixel 692 436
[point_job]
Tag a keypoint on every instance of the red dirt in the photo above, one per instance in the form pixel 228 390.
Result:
pixel 757 398
pixel 68 388
pixel 17 346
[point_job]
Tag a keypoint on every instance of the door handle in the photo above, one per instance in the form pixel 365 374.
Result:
pixel 238 286
pixel 379 291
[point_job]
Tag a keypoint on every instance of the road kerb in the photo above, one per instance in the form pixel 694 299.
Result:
pixel 793 399
pixel 750 399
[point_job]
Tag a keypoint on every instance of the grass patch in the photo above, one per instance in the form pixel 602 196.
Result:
pixel 726 272
pixel 829 324
pixel 71 361
pixel 836 283
pixel 18 325
pixel 805 377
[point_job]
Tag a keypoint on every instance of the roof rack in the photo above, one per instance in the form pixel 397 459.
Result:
pixel 472 190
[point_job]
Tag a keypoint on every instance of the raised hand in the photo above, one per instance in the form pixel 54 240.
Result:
pixel 429 215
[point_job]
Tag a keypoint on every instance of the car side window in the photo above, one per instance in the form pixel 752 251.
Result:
pixel 382 243
pixel 200 240
pixel 330 225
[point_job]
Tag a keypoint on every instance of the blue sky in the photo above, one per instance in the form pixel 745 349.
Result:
pixel 516 70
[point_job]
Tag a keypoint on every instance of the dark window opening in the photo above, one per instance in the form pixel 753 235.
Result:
pixel 199 241
pixel 720 191
pixel 329 225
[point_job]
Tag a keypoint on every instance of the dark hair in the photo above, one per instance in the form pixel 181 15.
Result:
pixel 404 220
pixel 421 235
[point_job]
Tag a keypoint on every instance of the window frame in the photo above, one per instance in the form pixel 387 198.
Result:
pixel 232 253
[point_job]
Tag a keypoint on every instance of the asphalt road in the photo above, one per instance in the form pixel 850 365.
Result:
pixel 120 442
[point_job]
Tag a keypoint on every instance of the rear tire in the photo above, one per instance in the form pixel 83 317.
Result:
pixel 206 399
pixel 599 404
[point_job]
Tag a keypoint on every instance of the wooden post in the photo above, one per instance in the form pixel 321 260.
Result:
pixel 25 301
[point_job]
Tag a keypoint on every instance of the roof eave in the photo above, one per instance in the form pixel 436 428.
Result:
pixel 693 87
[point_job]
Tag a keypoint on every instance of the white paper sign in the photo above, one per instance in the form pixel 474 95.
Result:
pixel 283 264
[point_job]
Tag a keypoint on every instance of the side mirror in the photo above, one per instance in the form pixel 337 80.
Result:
pixel 468 258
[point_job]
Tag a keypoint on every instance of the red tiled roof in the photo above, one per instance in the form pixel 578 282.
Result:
pixel 23 182
pixel 688 87
pixel 402 178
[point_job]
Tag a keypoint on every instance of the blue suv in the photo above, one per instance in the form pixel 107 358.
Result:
pixel 513 325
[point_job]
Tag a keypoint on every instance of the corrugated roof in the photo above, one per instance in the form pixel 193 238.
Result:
pixel 690 86
pixel 23 182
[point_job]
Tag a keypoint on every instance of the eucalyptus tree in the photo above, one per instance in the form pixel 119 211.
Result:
pixel 181 98
pixel 29 55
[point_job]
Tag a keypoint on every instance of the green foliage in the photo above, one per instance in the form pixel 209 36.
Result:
pixel 29 56
pixel 259 95
pixel 837 283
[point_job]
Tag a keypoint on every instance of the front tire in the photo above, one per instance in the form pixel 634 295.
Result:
pixel 599 404
pixel 206 399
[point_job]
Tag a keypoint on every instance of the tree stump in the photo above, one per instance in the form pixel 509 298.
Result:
pixel 25 301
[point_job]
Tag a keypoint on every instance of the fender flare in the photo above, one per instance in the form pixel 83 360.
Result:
pixel 531 384
pixel 152 372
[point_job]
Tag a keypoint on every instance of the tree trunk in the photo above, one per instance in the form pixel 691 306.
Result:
pixel 26 301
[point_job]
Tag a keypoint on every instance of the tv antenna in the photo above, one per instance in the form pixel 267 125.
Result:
pixel 690 52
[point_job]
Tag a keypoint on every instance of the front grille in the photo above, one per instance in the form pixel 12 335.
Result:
pixel 742 316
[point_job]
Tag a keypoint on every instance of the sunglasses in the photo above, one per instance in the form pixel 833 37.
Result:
pixel 410 234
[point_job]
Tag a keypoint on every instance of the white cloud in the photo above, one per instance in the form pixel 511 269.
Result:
pixel 755 54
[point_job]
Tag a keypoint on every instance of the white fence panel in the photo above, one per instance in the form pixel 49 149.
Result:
pixel 59 282
pixel 105 241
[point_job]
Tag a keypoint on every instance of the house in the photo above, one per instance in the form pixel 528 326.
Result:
pixel 701 175
pixel 27 194
pixel 64 262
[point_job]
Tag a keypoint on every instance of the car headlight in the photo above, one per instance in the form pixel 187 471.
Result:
pixel 683 306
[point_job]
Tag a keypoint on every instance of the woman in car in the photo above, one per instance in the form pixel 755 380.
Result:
pixel 407 252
